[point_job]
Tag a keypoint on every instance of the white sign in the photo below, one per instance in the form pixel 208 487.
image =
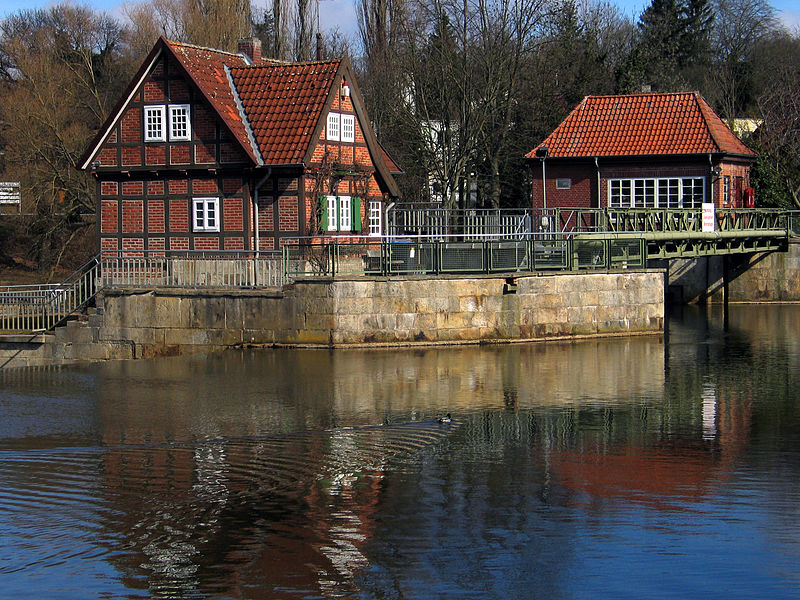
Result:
pixel 9 192
pixel 709 218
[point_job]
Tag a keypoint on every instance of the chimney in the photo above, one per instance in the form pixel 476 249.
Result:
pixel 250 47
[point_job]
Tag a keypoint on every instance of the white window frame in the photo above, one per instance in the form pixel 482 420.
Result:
pixel 375 215
pixel 348 128
pixel 333 212
pixel 563 183
pixel 160 135
pixel 205 215
pixel 656 192
pixel 345 213
pixel 332 129
pixel 175 110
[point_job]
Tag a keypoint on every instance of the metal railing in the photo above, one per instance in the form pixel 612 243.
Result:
pixel 33 308
pixel 436 254
pixel 192 269
pixel 29 308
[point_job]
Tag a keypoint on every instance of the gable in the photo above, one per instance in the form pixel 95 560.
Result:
pixel 163 80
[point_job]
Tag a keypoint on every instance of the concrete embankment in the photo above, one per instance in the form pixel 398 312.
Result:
pixel 129 323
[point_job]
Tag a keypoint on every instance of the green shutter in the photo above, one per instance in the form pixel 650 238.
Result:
pixel 323 214
pixel 355 213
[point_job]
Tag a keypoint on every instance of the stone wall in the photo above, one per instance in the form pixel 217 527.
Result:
pixel 129 323
pixel 764 277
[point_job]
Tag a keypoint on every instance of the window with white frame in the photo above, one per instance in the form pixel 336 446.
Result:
pixel 726 189
pixel 655 192
pixel 333 127
pixel 205 214
pixel 375 217
pixel 345 214
pixel 332 212
pixel 340 213
pixel 348 128
pixel 154 126
pixel 563 183
pixel 179 129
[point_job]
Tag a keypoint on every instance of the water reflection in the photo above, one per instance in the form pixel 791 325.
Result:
pixel 325 474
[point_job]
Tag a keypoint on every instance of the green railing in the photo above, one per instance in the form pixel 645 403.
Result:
pixel 317 257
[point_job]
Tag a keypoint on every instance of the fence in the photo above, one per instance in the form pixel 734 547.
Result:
pixel 314 257
pixel 192 270
pixel 29 308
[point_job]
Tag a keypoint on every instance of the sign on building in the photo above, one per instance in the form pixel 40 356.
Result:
pixel 10 193
pixel 709 217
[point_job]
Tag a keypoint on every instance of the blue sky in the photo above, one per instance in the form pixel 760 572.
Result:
pixel 341 13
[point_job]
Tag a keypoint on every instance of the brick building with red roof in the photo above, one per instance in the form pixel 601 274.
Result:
pixel 212 150
pixel 648 150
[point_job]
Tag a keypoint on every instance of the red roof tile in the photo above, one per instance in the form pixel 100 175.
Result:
pixel 283 103
pixel 642 124
pixel 206 67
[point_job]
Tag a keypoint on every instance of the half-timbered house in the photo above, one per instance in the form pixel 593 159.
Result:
pixel 212 150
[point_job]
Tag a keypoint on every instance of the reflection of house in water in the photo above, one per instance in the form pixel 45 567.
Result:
pixel 253 515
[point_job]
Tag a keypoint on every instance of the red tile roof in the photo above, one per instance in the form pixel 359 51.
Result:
pixel 206 67
pixel 642 124
pixel 283 103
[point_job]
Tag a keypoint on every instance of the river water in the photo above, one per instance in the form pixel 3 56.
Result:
pixel 645 467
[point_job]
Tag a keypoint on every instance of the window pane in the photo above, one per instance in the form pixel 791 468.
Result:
pixel 348 128
pixel 345 223
pixel 154 124
pixel 374 217
pixel 332 212
pixel 615 199
pixel 179 122
pixel 333 126
pixel 650 193
pixel 638 193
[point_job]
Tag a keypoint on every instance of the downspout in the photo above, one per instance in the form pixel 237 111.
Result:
pixel 544 184
pixel 710 180
pixel 597 166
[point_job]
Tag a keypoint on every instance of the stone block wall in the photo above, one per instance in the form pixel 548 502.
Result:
pixel 131 323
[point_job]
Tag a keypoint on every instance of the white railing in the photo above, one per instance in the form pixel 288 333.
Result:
pixel 36 308
pixel 220 270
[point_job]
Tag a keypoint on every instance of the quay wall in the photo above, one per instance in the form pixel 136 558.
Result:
pixel 135 323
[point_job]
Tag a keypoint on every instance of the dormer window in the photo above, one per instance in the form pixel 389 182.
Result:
pixel 154 129
pixel 155 123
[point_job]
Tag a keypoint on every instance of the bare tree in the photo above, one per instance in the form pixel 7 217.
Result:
pixel 62 70
pixel 212 23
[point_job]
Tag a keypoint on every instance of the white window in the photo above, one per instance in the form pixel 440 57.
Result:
pixel 154 129
pixel 667 192
pixel 348 128
pixel 726 189
pixel 333 126
pixel 375 214
pixel 332 212
pixel 563 183
pixel 345 214
pixel 206 214
pixel 179 129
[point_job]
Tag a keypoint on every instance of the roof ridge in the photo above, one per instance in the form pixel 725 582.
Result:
pixel 206 48
pixel 243 115
pixel 633 94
